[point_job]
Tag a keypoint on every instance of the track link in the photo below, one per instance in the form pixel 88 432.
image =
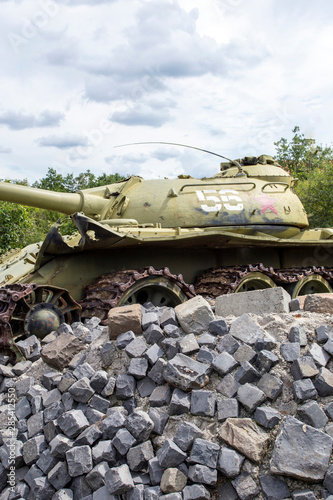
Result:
pixel 107 291
pixel 223 280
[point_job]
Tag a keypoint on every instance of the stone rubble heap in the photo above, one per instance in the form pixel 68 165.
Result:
pixel 179 403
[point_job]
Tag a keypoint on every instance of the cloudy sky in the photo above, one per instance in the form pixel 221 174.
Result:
pixel 79 77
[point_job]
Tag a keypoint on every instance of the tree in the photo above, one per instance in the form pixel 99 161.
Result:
pixel 312 164
pixel 301 156
pixel 15 224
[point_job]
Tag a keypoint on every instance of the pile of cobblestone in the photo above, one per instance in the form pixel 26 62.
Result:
pixel 191 403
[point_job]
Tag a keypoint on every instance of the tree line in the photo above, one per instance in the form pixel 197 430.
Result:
pixel 306 160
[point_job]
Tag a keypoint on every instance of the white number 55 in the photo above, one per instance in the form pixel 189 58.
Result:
pixel 217 199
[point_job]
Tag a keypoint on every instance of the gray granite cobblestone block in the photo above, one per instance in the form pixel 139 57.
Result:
pixel 48 378
pixel 159 417
pixel 89 436
pixel 139 424
pixel 298 334
pixel 170 455
pixel 203 403
pixel 202 474
pixel 104 451
pixel 99 403
pixel 196 492
pixel 172 331
pixel 84 370
pixel 266 360
pixel 188 344
pixel 160 396
pixel 154 334
pixel 156 374
pixel 46 461
pixel 136 348
pixel 153 354
pixel 125 386
pixel 186 373
pixel 31 450
pixel 247 373
pixel 207 339
pixel 229 462
pixel 58 476
pixel 22 408
pixel 23 385
pixel 72 423
pixel 224 363
pixel 324 382
pixel 328 346
pixel 245 486
pixel 312 414
pixel 324 332
pixel 274 487
pixel 227 408
pixel 180 402
pixel 145 387
pixel 204 452
pixel 271 385
pixel 66 381
pixel 108 355
pixel 53 411
pixel 149 318
pixel 170 347
pixel 185 435
pixel 123 441
pixel 124 339
pixel 290 351
pixel 81 390
pixel 79 460
pixel 112 423
pixel 228 344
pixel 245 353
pixel 206 355
pixel 168 317
pixel 267 417
pixel 96 477
pixel 250 396
pixel 59 445
pixel 266 343
pixel 320 356
pixel 119 480
pixel 155 471
pixel 304 389
pixel 218 327
pixel 138 456
pixel 228 386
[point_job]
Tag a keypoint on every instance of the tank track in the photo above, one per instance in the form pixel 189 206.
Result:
pixel 9 296
pixel 223 280
pixel 107 291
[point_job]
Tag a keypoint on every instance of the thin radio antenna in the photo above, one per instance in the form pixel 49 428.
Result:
pixel 184 146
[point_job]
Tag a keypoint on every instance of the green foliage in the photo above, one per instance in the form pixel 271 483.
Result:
pixel 70 184
pixel 301 156
pixel 15 224
pixel 316 195
pixel 312 164
pixel 20 226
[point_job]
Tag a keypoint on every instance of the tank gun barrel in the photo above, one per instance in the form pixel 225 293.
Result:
pixel 66 203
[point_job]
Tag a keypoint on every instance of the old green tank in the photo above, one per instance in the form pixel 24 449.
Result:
pixel 163 241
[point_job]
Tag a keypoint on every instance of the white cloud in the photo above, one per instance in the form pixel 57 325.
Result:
pixel 230 76
pixel 19 120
